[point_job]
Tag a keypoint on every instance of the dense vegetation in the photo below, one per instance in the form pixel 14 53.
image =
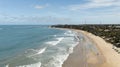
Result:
pixel 111 33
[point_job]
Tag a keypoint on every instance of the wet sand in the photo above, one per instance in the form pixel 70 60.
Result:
pixel 92 51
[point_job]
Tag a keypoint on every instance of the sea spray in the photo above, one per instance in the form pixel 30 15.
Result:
pixel 38 52
pixel 55 42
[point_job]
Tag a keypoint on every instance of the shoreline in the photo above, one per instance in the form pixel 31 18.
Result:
pixel 109 32
pixel 106 56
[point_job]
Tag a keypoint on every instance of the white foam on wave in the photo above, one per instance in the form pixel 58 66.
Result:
pixel 55 35
pixel 38 52
pixel 7 65
pixel 69 33
pixel 31 65
pixel 70 50
pixel 55 42
pixel 59 60
pixel 41 51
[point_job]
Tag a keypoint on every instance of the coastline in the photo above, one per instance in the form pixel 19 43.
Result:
pixel 105 56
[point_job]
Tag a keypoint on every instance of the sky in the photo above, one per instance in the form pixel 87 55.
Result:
pixel 59 12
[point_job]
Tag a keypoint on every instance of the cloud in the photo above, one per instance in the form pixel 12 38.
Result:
pixel 34 19
pixel 95 4
pixel 41 6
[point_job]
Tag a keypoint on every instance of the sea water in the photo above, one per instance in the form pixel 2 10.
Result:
pixel 34 46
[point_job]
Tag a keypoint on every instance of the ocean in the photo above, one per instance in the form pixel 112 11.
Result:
pixel 34 46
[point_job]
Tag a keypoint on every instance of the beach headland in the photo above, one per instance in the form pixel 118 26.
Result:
pixel 92 51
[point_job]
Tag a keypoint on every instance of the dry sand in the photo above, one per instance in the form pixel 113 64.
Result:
pixel 92 51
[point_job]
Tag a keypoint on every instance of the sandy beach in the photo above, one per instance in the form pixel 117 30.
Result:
pixel 92 51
